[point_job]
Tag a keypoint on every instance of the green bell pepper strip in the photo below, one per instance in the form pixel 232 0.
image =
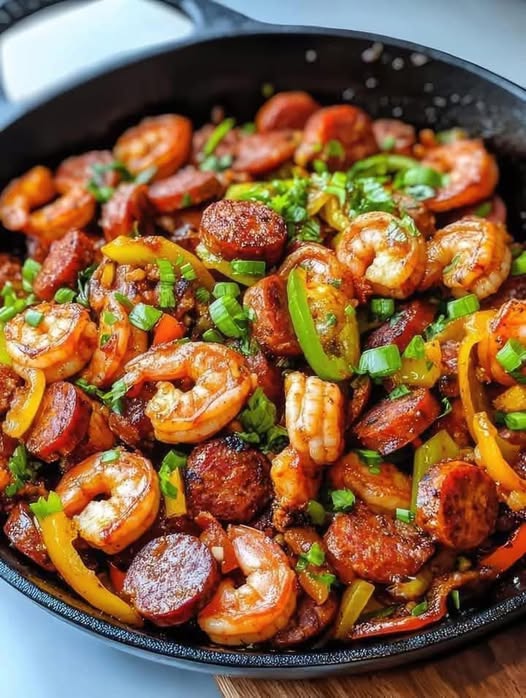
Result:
pixel 327 367
pixel 382 164
pixel 4 356
pixel 437 448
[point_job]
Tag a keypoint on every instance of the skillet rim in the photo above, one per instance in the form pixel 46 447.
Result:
pixel 348 659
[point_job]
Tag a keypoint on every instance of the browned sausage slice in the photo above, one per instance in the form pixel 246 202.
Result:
pixel 391 424
pixel 457 504
pixel 350 126
pixel 272 326
pixel 128 205
pixel 268 374
pixel 61 423
pixel 78 170
pixel 243 230
pixel 394 135
pixel 10 271
pixel 23 534
pixel 285 110
pixel 171 579
pixel 309 621
pixel 9 382
pixel 412 319
pixel 375 547
pixel 227 478
pixel 65 259
pixel 263 152
pixel 187 187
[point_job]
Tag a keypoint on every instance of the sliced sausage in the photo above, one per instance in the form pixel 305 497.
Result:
pixel 285 110
pixel 309 621
pixel 457 504
pixel 171 579
pixel 187 187
pixel 424 218
pixel 226 147
pixel 263 152
pixel 10 271
pixel 412 319
pixel 243 230
pixel 9 382
pixel 394 135
pixel 448 381
pixel 268 375
pixel 227 478
pixel 348 125
pixel 391 424
pixel 129 204
pixel 77 170
pixel 61 423
pixel 362 388
pixel 272 326
pixel 133 426
pixel 98 437
pixel 454 422
pixel 375 547
pixel 163 142
pixel 66 257
pixel 182 226
pixel 23 534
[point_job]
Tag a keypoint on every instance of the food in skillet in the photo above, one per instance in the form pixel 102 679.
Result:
pixel 266 379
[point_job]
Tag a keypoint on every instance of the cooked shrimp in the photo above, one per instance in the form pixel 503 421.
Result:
pixel 132 487
pixel 119 342
pixel 61 344
pixel 260 607
pixel 314 416
pixel 161 142
pixel 383 491
pixel 321 265
pixel 472 174
pixel 295 477
pixel 508 323
pixel 32 189
pixel 384 256
pixel 468 256
pixel 222 383
pixel 75 209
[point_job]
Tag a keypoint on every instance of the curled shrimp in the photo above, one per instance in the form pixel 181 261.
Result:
pixel 468 256
pixel 263 605
pixel 61 344
pixel 472 174
pixel 75 209
pixel 296 480
pixel 314 417
pixel 508 323
pixel 34 188
pixel 222 383
pixel 161 142
pixel 132 486
pixel 119 342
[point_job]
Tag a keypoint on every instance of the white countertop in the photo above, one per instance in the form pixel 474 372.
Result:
pixel 41 657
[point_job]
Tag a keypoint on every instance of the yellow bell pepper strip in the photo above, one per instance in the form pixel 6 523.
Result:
pixel 316 200
pixel 437 448
pixel 4 356
pixel 511 400
pixel 147 250
pixel 171 482
pixel 354 600
pixel 212 261
pixel 176 506
pixel 414 588
pixel 421 371
pixel 331 368
pixel 58 534
pixel 314 577
pixel 472 392
pixel 26 402
pixel 489 456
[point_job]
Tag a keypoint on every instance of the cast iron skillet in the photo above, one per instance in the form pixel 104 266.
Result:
pixel 226 61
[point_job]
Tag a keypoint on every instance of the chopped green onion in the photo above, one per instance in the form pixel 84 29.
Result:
pixel 463 306
pixel 89 389
pixel 455 597
pixel 114 396
pixel 64 295
pixel 109 318
pixel 33 317
pixel 349 310
pixel 334 149
pixel 250 267
pixel 511 356
pixel 388 143
pixel 319 166
pixel 213 163
pixel 46 507
pixel 146 175
pixel 382 308
pixel 420 192
pixel 323 577
pixel 518 266
pixel 29 273
pixel 187 200
pixel 446 407
pixel 416 349
pixel 337 186
pixel 369 457
pixel 405 515
pixel 419 609
pixel 202 294
pixel 399 391
pixel 226 288
pixel 217 135
pixel 380 362
pixel 310 231
pixel 316 512
pixel 102 194
pixel 342 500
pixel 421 175
pixel 249 127
pixel 172 460
pixel 375 470
pixel 516 421
pixel 110 456
pixel 331 320
pixel 188 272
pixel 21 470
pixel 8 312
pixel 145 317
pixel 483 210
pixel 314 556
pixel 228 316
pixel 167 281
pixel 123 300
pixel 213 336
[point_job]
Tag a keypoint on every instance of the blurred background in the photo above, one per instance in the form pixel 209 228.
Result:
pixel 76 36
